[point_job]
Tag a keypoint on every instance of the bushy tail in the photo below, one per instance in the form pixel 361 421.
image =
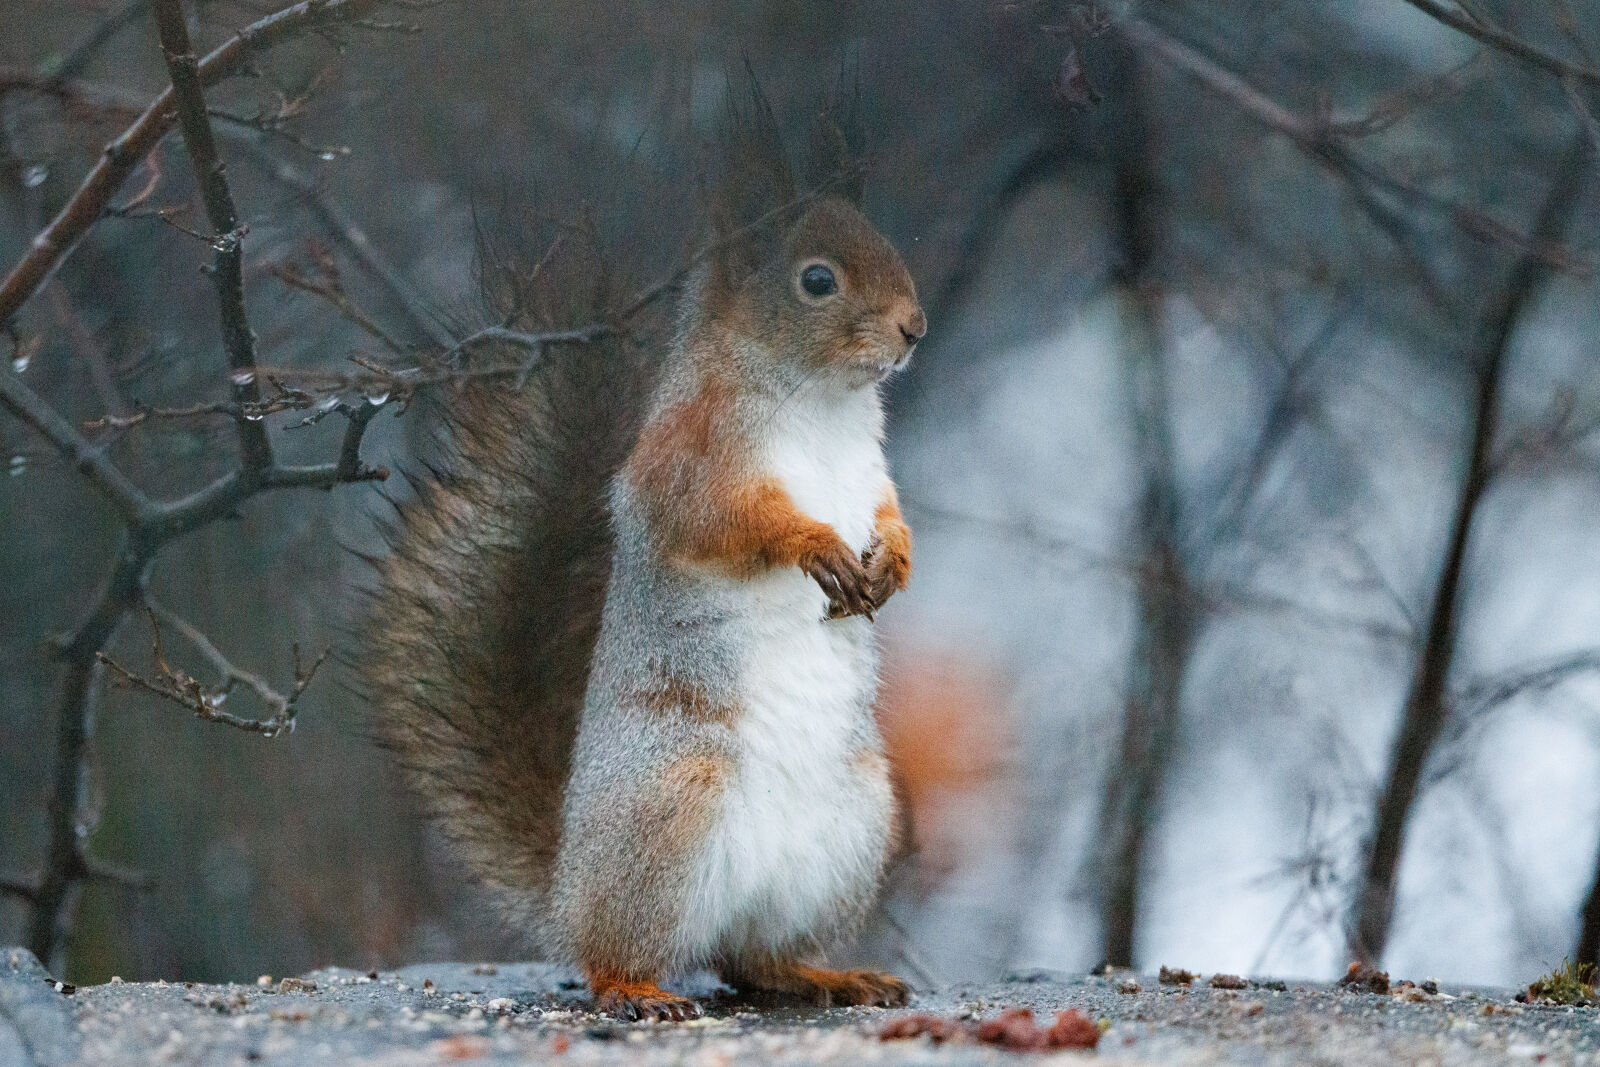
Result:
pixel 487 608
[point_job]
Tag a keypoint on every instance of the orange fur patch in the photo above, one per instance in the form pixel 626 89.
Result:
pixel 947 730
pixel 666 695
pixel 889 570
pixel 824 986
pixel 689 472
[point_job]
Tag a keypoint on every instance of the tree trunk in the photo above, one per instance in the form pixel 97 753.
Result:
pixel 1588 950
pixel 1165 612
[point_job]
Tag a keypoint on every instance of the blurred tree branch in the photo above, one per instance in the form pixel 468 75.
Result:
pixel 81 54
pixel 1486 694
pixel 1427 704
pixel 1321 139
pixel 1166 606
pixel 1484 32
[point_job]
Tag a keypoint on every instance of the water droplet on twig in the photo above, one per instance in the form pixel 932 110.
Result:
pixel 18 465
pixel 242 377
pixel 20 364
pixel 35 175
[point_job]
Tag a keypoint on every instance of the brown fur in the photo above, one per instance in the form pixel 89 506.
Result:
pixel 486 611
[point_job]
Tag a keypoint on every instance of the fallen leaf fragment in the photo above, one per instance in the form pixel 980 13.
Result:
pixel 1228 981
pixel 461 1047
pixel 1073 1029
pixel 1361 976
pixel 1014 1029
pixel 1176 976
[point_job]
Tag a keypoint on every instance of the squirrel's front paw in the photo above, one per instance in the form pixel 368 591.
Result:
pixel 887 572
pixel 839 572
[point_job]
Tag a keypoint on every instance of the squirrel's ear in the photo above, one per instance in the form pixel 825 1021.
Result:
pixel 753 185
pixel 833 156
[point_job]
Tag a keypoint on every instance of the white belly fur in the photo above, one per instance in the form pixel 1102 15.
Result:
pixel 802 829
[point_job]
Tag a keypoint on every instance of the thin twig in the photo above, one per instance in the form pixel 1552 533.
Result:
pixel 331 291
pixel 176 685
pixel 81 54
pixel 344 230
pixel 19 889
pixel 1486 694
pixel 88 459
pixel 227 235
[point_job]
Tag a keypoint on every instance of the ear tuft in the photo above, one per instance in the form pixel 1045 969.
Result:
pixel 753 183
pixel 834 153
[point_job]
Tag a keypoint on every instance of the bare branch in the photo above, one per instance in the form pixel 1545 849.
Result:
pixel 1508 43
pixel 1427 707
pixel 1317 138
pixel 332 291
pixel 20 890
pixel 1485 694
pixel 85 206
pixel 91 461
pixel 227 235
pixel 1392 108
pixel 174 684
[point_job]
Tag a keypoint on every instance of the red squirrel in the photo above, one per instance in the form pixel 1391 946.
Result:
pixel 627 649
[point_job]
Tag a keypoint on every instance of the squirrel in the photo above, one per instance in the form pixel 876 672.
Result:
pixel 625 646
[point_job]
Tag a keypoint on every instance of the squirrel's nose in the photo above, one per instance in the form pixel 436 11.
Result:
pixel 914 326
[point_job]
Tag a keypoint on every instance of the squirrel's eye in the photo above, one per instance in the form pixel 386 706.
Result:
pixel 818 280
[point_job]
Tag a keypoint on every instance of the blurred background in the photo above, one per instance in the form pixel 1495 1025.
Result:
pixel 1251 458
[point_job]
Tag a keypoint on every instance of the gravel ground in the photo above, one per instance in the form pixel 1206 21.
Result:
pixel 519 1013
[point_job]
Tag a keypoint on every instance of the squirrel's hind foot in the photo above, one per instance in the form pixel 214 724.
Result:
pixel 633 1001
pixel 830 988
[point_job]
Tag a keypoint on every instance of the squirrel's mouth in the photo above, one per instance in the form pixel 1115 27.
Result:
pixel 896 361
pixel 885 365
pixel 874 358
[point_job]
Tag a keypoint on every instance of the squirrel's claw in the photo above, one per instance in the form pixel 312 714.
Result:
pixel 886 573
pixel 840 574
pixel 634 1004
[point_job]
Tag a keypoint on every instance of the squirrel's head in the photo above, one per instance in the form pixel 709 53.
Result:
pixel 805 277
pixel 833 297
